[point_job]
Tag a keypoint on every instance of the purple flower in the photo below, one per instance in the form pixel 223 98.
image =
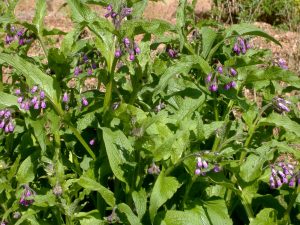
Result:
pixel 227 86
pixel 36 105
pixel 232 84
pixel 137 50
pixel 92 141
pixel 126 11
pixel 154 169
pixel 213 87
pixel 34 100
pixel 216 168
pixel 94 66
pixel 84 101
pixel 2 112
pixel 199 162
pixel 292 182
pixel 89 71
pixel 18 91
pixel 197 171
pixel 42 94
pixel 65 97
pixel 282 64
pixel 22 41
pixel 34 89
pixel 43 104
pixel 272 182
pixel 233 72
pixel 172 53
pixel 85 58
pixel 220 69
pixel 77 71
pixel 280 104
pixel 20 33
pixel 126 42
pixel 27 193
pixel 131 57
pixel 204 164
pixel 2 124
pixel 236 49
pixel 208 78
pixel 7 114
pixel 11 127
pixel 8 39
pixel 118 53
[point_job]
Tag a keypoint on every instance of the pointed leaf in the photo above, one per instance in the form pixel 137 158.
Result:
pixel 40 12
pixel 132 218
pixel 140 202
pixel 7 100
pixel 25 173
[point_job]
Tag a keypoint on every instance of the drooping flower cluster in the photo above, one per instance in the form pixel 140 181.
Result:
pixel 113 217
pixel 172 52
pixel 213 82
pixel 241 46
pixel 281 105
pixel 202 167
pixel 35 98
pixel 283 173
pixel 20 36
pixel 27 196
pixel 153 169
pixel 117 17
pixel 85 64
pixel 66 101
pixel 129 47
pixel 6 121
pixel 282 63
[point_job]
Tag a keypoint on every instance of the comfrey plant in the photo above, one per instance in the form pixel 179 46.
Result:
pixel 145 122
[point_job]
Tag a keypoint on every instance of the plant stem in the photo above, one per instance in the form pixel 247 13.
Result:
pixel 187 190
pixel 291 204
pixel 43 46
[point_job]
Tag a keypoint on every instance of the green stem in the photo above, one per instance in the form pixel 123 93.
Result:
pixel 247 206
pixel 82 141
pixel 291 204
pixel 216 112
pixel 43 46
pixel 187 191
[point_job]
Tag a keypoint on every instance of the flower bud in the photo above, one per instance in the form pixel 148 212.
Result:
pixel 92 142
pixel 204 164
pixel 20 99
pixel 65 97
pixel 42 94
pixel 232 84
pixel 118 53
pixel 89 71
pixel 84 101
pixel 17 215
pixel 208 78
pixel 34 89
pixel 233 72
pixel 197 171
pixel 34 100
pixel 220 69
pixel 213 87
pixel 131 57
pixel 36 105
pixel 137 50
pixel 18 91
pixel 43 104
pixel 292 182
pixel 57 190
pixel 126 42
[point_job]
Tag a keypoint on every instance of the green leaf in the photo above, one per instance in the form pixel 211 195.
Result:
pixel 39 131
pixel 90 218
pixel 273 73
pixel 81 13
pixel 26 173
pixel 164 188
pixel 266 216
pixel 140 202
pixel 132 218
pixel 40 12
pixel 187 217
pixel 252 168
pixel 183 66
pixel 248 29
pixel 90 184
pixel 35 75
pixel 208 38
pixel 275 119
pixel 7 100
pixel 117 147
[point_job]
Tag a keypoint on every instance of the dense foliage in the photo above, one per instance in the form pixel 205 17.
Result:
pixel 145 122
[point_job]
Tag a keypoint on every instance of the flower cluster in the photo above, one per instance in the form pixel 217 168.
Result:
pixel 282 63
pixel 26 197
pixel 283 173
pixel 35 99
pixel 17 35
pixel 153 169
pixel 85 64
pixel 117 17
pixel 202 167
pixel 66 100
pixel 172 53
pixel 212 78
pixel 6 122
pixel 241 46
pixel 281 105
pixel 128 47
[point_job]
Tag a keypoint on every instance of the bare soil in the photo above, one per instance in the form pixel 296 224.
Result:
pixel 58 16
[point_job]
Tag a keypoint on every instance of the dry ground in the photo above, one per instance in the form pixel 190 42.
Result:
pixel 58 16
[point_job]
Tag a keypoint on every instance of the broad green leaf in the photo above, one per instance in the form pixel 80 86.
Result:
pixel 26 173
pixel 248 29
pixel 40 12
pixel 7 100
pixel 275 119
pixel 117 147
pixel 90 218
pixel 213 211
pixel 45 201
pixel 90 184
pixel 81 13
pixel 252 168
pixel 273 73
pixel 35 75
pixel 132 218
pixel 208 38
pixel 164 188
pixel 39 131
pixel 140 202
pixel 183 66
pixel 187 217
pixel 266 216
pixel 210 129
